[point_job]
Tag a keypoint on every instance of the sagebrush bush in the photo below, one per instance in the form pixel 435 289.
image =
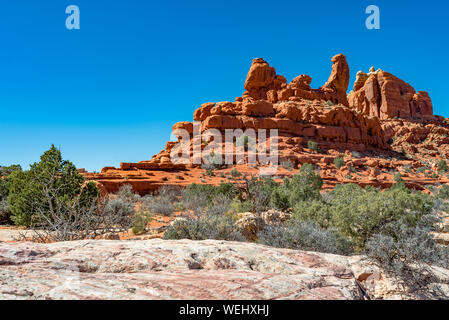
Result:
pixel 247 142
pixel 158 205
pixel 312 145
pixel 408 254
pixel 219 227
pixel 339 162
pixel 126 192
pixel 306 236
pixel 443 192
pixel 140 221
pixel 442 166
pixel 119 207
pixel 220 205
pixel 288 165
pixel 197 197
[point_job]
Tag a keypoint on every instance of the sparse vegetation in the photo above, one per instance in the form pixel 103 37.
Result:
pixel 442 166
pixel 398 178
pixel 306 236
pixel 162 203
pixel 211 226
pixel 140 222
pixel 235 173
pixel 288 165
pixel 392 227
pixel 339 162
pixel 247 142
pixel 312 145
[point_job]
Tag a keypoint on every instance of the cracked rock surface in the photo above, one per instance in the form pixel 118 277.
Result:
pixel 184 269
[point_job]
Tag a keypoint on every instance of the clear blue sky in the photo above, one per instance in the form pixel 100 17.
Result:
pixel 110 92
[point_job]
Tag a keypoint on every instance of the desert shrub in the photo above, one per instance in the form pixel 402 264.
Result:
pixel 312 145
pixel 306 236
pixel 77 220
pixel 213 161
pixel 220 205
pixel 49 182
pixel 374 212
pixel 248 143
pixel 398 178
pixel 158 205
pixel 197 197
pixel 343 194
pixel 339 162
pixel 316 211
pixel 305 185
pixel 258 192
pixel 421 170
pixel 218 227
pixel 140 221
pixel 4 212
pixel 235 173
pixel 237 206
pixel 126 192
pixel 4 205
pixel 329 103
pixel 442 166
pixel 288 165
pixel 118 207
pixel 407 254
pixel 360 213
pixel 443 192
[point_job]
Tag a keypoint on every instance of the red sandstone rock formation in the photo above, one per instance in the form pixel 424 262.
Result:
pixel 263 83
pixel 383 95
pixel 360 128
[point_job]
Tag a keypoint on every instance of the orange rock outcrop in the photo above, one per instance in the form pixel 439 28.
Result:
pixel 383 95
pixel 381 128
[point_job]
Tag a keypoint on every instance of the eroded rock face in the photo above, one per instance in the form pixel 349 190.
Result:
pixel 383 95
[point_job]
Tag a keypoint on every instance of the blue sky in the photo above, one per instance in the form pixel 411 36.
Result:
pixel 110 92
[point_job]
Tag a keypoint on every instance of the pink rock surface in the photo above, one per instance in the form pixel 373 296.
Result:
pixel 158 269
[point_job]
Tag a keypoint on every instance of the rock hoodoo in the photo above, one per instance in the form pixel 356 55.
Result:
pixel 383 95
pixel 263 83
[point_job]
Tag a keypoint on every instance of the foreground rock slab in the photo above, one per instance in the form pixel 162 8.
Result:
pixel 192 270
pixel 158 269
